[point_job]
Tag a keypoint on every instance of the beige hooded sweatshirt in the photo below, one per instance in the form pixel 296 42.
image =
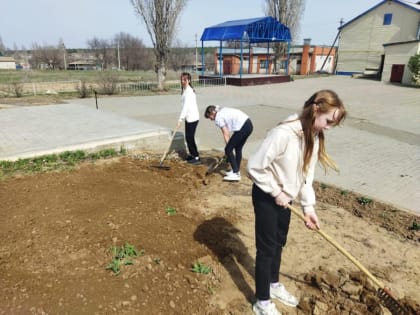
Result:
pixel 277 164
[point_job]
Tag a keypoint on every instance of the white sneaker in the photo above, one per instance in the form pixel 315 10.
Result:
pixel 280 293
pixel 231 172
pixel 269 309
pixel 232 177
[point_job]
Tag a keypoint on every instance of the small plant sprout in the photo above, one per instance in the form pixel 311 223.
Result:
pixel 323 186
pixel 130 250
pixel 198 267
pixel 170 211
pixel 115 266
pixel 122 257
pixel 157 260
pixel 211 289
pixel 415 226
pixel 344 192
pixel 364 200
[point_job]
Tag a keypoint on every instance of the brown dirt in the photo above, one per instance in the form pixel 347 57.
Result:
pixel 57 229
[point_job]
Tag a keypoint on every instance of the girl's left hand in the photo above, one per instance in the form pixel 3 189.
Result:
pixel 311 221
pixel 282 199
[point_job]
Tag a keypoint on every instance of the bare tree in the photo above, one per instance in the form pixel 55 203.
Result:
pixel 131 51
pixel 160 18
pixel 289 13
pixel 46 56
pixel 101 49
pixel 180 55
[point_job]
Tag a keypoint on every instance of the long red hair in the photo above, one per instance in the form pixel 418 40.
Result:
pixel 326 101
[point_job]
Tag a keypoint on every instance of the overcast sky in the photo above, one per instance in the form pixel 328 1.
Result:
pixel 24 22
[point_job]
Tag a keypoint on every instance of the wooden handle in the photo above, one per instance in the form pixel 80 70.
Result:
pixel 170 144
pixel 341 249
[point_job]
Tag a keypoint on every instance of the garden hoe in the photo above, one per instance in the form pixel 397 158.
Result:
pixel 215 165
pixel 383 293
pixel 161 166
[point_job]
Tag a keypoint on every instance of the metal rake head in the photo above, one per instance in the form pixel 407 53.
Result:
pixel 391 303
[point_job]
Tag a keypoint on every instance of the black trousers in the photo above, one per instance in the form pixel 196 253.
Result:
pixel 190 128
pixel 236 142
pixel 271 229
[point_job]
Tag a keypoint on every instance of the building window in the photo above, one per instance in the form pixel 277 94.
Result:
pixel 283 64
pixel 387 18
pixel 263 64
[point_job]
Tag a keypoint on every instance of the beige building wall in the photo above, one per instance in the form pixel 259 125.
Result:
pixel 399 54
pixel 361 42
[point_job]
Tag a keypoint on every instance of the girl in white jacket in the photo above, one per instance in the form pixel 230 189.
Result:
pixel 190 114
pixel 282 169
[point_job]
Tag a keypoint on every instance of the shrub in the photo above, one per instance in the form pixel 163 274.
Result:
pixel 414 66
pixel 82 89
pixel 108 81
pixel 17 88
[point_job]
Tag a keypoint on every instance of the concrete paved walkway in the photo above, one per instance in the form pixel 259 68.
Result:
pixel 39 130
pixel 377 149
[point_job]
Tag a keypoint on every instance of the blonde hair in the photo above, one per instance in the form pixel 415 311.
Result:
pixel 326 101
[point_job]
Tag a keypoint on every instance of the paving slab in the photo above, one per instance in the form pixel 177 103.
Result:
pixel 38 130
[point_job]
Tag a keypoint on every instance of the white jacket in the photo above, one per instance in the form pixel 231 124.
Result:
pixel 277 164
pixel 189 110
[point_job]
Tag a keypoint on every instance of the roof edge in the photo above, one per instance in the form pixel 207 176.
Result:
pixel 374 7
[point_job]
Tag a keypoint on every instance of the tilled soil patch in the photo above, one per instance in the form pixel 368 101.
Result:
pixel 58 230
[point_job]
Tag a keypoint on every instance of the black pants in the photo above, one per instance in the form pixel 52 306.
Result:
pixel 190 128
pixel 236 142
pixel 271 228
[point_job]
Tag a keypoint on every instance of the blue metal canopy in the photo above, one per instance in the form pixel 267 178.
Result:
pixel 255 30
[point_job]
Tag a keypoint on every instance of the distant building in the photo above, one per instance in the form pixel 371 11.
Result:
pixel 304 59
pixel 7 63
pixel 391 27
pixel 191 68
pixel 256 60
pixel 81 65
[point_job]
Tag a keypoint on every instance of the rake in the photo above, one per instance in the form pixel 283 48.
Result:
pixel 161 166
pixel 384 294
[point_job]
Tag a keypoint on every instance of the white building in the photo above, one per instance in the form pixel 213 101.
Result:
pixel 7 63
pixel 365 39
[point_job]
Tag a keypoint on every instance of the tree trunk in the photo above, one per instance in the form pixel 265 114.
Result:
pixel 161 76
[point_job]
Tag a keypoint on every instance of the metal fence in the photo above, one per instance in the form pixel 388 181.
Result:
pixel 170 85
pixel 42 88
